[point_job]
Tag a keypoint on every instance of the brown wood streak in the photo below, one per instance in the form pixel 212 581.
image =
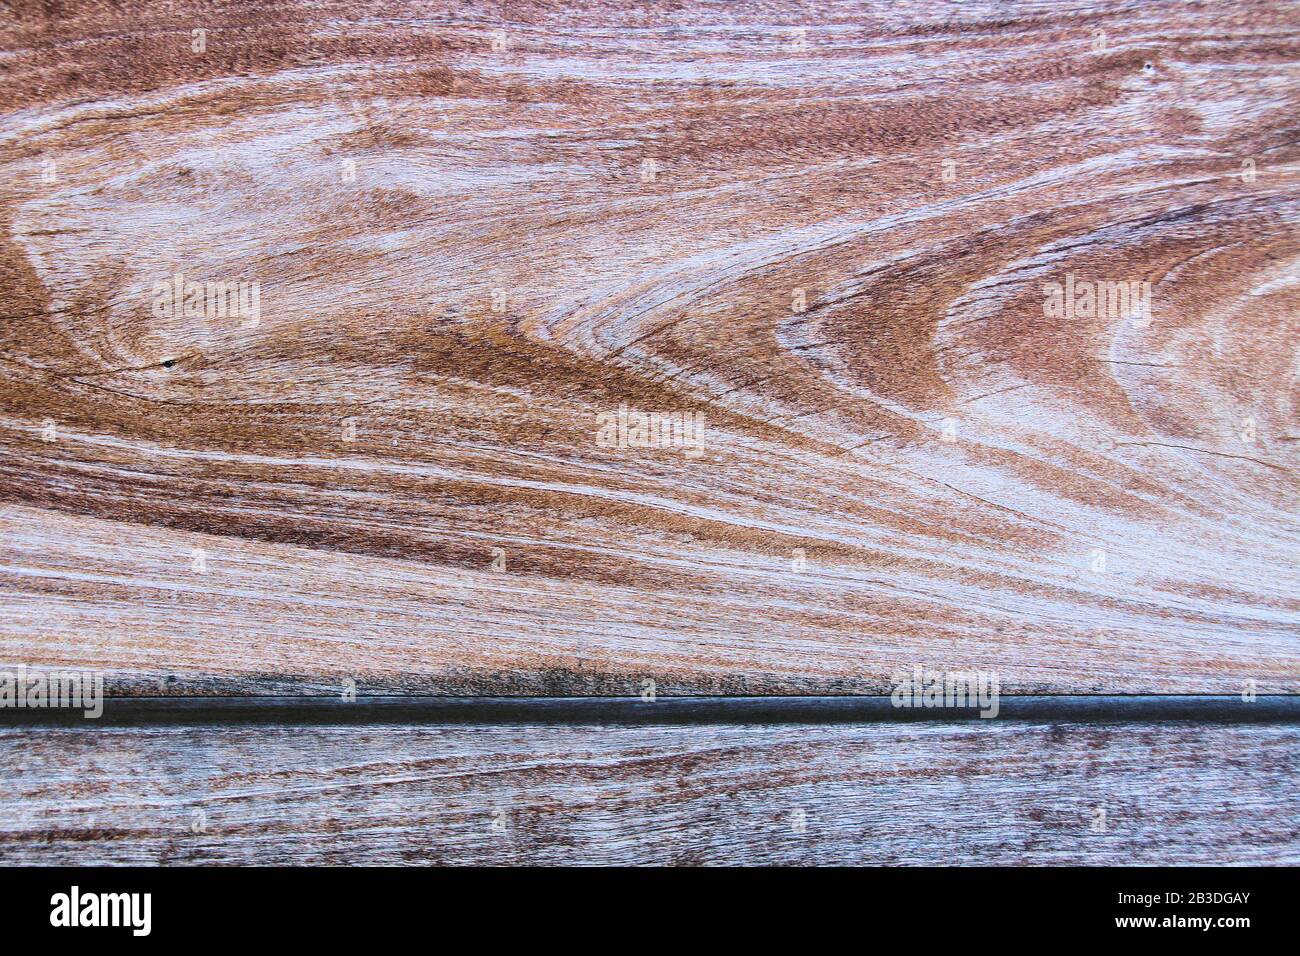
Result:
pixel 989 793
pixel 778 168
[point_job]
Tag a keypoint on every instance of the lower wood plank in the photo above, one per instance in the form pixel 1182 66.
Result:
pixel 988 793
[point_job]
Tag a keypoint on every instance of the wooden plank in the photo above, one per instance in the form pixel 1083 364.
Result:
pixel 989 792
pixel 474 232
pixel 365 710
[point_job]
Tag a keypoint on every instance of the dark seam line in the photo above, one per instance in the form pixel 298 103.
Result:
pixel 179 711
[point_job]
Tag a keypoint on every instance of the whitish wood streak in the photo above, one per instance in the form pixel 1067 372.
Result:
pixel 617 204
pixel 923 794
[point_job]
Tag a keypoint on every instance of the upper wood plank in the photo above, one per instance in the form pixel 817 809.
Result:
pixel 827 231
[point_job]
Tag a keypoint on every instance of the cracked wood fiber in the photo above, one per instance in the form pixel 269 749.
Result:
pixel 477 227
pixel 991 793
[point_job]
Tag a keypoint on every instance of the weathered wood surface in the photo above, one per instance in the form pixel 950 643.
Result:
pixel 617 203
pixel 300 710
pixel 910 794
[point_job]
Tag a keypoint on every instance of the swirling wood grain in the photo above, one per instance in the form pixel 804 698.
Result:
pixel 478 227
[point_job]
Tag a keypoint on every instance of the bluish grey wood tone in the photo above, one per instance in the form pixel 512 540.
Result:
pixel 156 711
pixel 984 792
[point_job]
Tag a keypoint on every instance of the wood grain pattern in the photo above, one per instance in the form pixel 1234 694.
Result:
pixel 1001 793
pixel 504 267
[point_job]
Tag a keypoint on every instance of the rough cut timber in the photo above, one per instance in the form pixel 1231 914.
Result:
pixel 831 230
pixel 990 793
